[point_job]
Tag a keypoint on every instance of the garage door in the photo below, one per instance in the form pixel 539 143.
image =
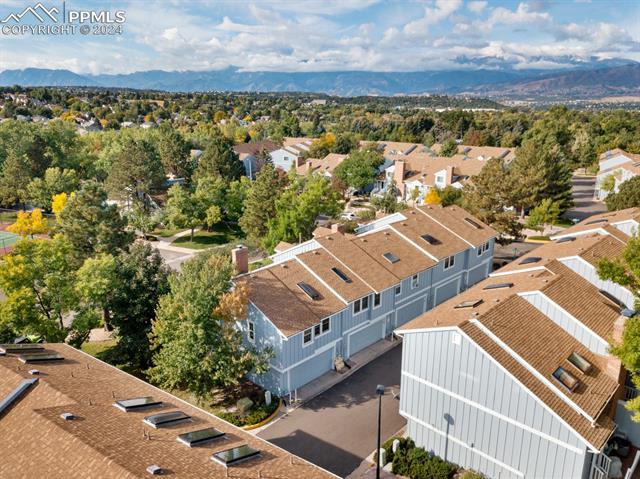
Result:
pixel 365 337
pixel 446 291
pixel 410 311
pixel 477 274
pixel 311 369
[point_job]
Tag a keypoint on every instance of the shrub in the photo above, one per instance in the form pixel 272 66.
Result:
pixel 470 474
pixel 405 444
pixel 259 413
pixel 416 463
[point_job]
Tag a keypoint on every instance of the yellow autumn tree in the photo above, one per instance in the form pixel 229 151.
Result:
pixel 433 197
pixel 58 203
pixel 29 224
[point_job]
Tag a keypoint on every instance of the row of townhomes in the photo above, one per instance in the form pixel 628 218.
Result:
pixel 77 417
pixel 412 166
pixel 513 377
pixel 620 166
pixel 337 294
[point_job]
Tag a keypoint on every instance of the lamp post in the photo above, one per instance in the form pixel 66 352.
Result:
pixel 380 393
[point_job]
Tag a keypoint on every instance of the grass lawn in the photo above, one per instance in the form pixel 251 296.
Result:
pixel 564 222
pixel 260 263
pixel 165 232
pixel 220 235
pixel 538 238
pixel 97 348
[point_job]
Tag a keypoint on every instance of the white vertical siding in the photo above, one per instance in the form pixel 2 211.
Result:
pixel 460 404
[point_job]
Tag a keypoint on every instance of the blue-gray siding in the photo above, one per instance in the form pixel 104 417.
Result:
pixel 462 405
pixel 351 332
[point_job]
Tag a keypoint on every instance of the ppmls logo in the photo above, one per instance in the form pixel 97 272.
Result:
pixel 39 11
pixel 40 20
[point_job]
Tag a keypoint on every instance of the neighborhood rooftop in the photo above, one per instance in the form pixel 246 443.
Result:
pixel 514 317
pixel 372 261
pixel 65 423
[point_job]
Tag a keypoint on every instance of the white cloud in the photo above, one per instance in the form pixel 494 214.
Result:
pixel 432 15
pixel 477 6
pixel 524 14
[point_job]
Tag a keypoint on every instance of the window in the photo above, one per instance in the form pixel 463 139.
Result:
pixel 360 305
pixel 472 303
pixel 414 281
pixel 440 179
pixel 307 337
pixel 376 300
pixel 309 290
pixel 482 249
pixel 340 274
pixel 252 332
pixel 565 378
pixel 325 325
pixel 473 223
pixel 391 258
pixel 398 290
pixel 449 262
pixel 530 260
pixel 579 362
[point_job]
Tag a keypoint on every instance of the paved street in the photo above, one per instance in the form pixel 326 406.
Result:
pixel 337 430
pixel 584 204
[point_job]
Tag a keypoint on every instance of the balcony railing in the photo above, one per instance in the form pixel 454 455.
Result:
pixel 630 393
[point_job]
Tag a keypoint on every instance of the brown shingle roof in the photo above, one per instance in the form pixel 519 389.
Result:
pixel 255 148
pixel 597 435
pixel 410 259
pixel 610 218
pixel 455 219
pixel 371 272
pixel 546 346
pixel 418 224
pixel 321 263
pixel 108 443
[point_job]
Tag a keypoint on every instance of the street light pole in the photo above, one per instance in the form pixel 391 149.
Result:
pixel 380 393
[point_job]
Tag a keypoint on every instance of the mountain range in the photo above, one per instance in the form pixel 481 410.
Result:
pixel 590 80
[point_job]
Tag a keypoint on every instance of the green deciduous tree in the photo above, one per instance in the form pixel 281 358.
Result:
pixel 37 278
pixel 359 169
pixel 91 225
pixel 388 203
pixel 259 206
pixel 449 147
pixel 298 207
pixel 136 171
pixel 55 181
pixel 142 280
pixel 96 281
pixel 197 346
pixel 628 195
pixel 184 209
pixel 490 197
pixel 219 159
pixel 174 152
pixel 544 215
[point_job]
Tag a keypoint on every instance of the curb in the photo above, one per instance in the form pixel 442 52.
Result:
pixel 264 421
pixel 537 241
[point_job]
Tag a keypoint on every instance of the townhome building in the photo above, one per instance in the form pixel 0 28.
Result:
pixel 337 294
pixel 291 154
pixel 415 168
pixel 615 167
pixel 249 155
pixel 513 377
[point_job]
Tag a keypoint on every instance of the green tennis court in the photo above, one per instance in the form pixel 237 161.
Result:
pixel 7 239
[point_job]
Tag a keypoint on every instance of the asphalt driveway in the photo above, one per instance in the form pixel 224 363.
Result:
pixel 337 430
pixel 583 203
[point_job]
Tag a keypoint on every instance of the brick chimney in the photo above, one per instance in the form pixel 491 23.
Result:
pixel 338 228
pixel 398 175
pixel 240 259
pixel 449 177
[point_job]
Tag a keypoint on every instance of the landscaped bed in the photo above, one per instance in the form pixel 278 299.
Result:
pixel 417 463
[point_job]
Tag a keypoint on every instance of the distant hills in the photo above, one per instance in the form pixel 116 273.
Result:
pixel 592 79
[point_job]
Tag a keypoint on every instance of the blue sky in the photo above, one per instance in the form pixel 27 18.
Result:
pixel 329 35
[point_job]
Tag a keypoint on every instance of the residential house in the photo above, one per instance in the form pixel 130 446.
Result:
pixel 513 377
pixel 620 165
pixel 481 153
pixel 65 414
pixel 249 152
pixel 324 166
pixel 291 154
pixel 337 294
